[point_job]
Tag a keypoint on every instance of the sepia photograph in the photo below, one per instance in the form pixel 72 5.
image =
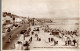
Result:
pixel 40 25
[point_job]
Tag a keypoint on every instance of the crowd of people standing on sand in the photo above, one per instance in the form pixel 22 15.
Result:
pixel 29 33
pixel 69 37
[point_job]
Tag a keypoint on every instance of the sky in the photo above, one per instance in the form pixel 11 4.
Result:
pixel 42 8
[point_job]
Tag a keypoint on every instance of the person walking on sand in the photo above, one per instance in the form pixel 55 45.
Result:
pixel 49 39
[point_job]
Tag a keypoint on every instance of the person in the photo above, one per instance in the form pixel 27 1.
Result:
pixel 18 45
pixel 30 39
pixel 49 39
pixel 27 45
pixel 65 39
pixel 32 33
pixel 36 35
pixel 9 29
pixel 55 42
pixel 39 39
pixel 74 41
pixel 52 39
pixel 37 29
pixel 29 29
pixel 69 41
pixel 24 37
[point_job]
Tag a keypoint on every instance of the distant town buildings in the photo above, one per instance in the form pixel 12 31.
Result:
pixel 9 20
